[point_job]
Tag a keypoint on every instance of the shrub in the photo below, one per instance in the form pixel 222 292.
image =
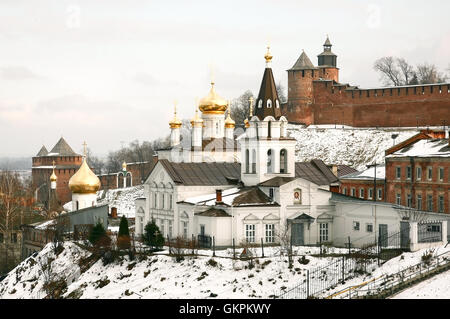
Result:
pixel 97 232
pixel 303 260
pixel 152 236
pixel 212 262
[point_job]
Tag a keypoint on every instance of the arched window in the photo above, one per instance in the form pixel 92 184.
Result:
pixel 270 161
pixel 277 103
pixel 260 104
pixel 253 161
pixel 283 161
pixel 269 129
pixel 247 161
pixel 269 103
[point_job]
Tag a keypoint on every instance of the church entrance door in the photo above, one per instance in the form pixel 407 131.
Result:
pixel 297 230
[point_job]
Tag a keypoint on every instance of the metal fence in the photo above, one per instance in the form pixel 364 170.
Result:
pixel 429 232
pixel 356 262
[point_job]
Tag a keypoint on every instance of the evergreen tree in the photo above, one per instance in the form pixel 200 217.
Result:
pixel 97 233
pixel 152 236
pixel 123 238
pixel 123 227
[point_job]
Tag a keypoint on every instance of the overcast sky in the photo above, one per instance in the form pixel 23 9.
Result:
pixel 108 71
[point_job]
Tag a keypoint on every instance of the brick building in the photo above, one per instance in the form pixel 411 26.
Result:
pixel 131 174
pixel 418 173
pixel 315 96
pixel 362 184
pixel 66 163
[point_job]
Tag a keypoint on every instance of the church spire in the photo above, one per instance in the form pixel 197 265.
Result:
pixel 267 103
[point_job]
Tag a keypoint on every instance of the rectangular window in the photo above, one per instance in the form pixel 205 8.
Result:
pixel 271 192
pixel 361 192
pixel 418 173
pixel 323 232
pixel 355 225
pixel 270 233
pixel 250 233
pixel 408 172
pixel 370 193
pixel 430 173
pixel 202 230
pixel 441 203
pixel 408 200
pixel 170 201
pixel 441 174
pixel 155 200
pixel 14 238
pixel 161 228
pixel 369 228
pixel 185 230
pixel 380 193
pixel 1 237
pixel 162 200
pixel 398 199
pixel 419 202
pixel 430 203
pixel 170 229
pixel 344 191
pixel 353 192
pixel 398 172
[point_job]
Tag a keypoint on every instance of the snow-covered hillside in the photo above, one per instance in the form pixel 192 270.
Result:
pixel 160 276
pixel 355 147
pixel 436 287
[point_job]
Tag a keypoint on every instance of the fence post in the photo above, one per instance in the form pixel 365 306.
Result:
pixel 234 250
pixel 343 268
pixel 214 246
pixel 307 284
pixel 193 244
pixel 262 247
pixel 349 245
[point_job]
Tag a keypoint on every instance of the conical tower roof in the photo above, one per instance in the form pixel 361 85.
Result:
pixel 43 151
pixel 63 149
pixel 267 91
pixel 303 63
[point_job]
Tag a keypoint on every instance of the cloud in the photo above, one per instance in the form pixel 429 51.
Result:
pixel 17 73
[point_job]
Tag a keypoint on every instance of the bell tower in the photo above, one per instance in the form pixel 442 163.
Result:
pixel 327 62
pixel 266 151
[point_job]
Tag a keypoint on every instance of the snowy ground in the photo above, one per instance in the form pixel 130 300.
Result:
pixel 357 146
pixel 436 287
pixel 204 276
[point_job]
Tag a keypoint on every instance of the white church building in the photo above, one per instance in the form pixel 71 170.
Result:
pixel 255 190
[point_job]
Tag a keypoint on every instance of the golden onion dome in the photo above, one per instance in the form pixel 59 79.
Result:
pixel 229 123
pixel 124 166
pixel 213 103
pixel 84 181
pixel 175 122
pixel 53 177
pixel 197 120
pixel 268 56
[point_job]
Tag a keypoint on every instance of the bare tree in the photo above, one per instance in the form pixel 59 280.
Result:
pixel 406 71
pixel 94 162
pixel 15 198
pixel 428 74
pixel 240 107
pixel 390 73
pixel 281 91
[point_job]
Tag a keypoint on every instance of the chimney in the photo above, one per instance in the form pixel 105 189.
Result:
pixel 334 169
pixel 218 196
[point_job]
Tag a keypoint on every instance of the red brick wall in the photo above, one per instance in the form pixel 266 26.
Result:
pixel 424 187
pixel 357 185
pixel 330 104
pixel 66 166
